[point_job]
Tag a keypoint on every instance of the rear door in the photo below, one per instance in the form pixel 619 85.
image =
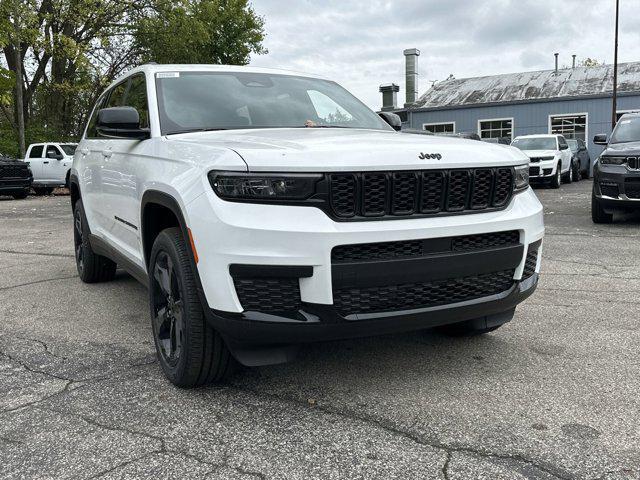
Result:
pixel 35 157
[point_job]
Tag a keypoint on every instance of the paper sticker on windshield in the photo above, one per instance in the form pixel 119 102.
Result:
pixel 167 74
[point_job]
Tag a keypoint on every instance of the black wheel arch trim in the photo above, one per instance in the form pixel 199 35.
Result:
pixel 166 200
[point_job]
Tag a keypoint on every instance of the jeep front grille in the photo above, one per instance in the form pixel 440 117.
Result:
pixel 425 192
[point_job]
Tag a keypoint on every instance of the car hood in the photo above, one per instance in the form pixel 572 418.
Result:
pixel 10 161
pixel 317 149
pixel 627 148
pixel 540 153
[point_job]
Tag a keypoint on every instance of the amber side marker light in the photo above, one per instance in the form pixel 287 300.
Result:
pixel 193 246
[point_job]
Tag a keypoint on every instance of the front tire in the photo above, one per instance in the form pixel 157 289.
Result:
pixel 598 215
pixel 556 181
pixel 92 268
pixel 21 196
pixel 576 171
pixel 191 353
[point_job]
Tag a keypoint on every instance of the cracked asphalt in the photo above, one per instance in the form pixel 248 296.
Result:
pixel 552 395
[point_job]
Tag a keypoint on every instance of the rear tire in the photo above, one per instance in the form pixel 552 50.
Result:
pixel 598 215
pixel 557 179
pixel 92 268
pixel 190 351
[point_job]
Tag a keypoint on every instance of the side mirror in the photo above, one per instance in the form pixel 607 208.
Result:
pixel 55 156
pixel 121 122
pixel 564 147
pixel 392 119
pixel 600 139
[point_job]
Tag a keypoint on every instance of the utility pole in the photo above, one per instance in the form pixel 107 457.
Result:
pixel 615 73
pixel 19 103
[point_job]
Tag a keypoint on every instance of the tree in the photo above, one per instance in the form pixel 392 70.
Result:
pixel 200 31
pixel 68 51
pixel 591 62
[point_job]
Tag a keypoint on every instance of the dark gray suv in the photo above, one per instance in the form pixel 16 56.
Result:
pixel 616 174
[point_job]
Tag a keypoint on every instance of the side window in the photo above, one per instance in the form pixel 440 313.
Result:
pixel 36 151
pixel 137 98
pixel 52 151
pixel 91 128
pixel 116 97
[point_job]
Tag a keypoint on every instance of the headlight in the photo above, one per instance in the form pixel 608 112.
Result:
pixel 266 186
pixel 522 178
pixel 613 160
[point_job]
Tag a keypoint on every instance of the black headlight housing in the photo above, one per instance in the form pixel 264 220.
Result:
pixel 264 186
pixel 521 178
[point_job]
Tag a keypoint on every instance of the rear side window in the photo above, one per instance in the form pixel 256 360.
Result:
pixel 36 152
pixel 137 98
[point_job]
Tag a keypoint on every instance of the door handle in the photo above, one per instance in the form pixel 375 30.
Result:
pixel 45 162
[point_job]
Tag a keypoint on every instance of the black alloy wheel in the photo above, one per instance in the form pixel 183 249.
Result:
pixel 168 310
pixel 77 240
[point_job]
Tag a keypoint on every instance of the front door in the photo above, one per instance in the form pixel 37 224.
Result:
pixel 55 165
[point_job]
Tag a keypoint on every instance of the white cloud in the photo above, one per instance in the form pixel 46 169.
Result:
pixel 359 43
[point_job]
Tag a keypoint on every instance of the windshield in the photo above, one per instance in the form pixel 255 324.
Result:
pixel 192 101
pixel 627 130
pixel 69 149
pixel 536 143
pixel 573 145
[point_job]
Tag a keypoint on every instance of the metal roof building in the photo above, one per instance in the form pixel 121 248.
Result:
pixel 575 102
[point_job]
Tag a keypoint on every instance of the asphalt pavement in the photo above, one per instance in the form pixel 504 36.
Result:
pixel 555 394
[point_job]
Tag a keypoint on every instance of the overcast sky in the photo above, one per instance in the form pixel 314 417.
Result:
pixel 359 43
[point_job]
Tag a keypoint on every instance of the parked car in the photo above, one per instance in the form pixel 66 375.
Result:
pixel 467 135
pixel 581 157
pixel 264 209
pixel 50 164
pixel 616 173
pixel 499 140
pixel 15 177
pixel 550 157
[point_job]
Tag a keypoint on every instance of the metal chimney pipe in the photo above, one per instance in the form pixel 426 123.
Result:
pixel 573 65
pixel 556 55
pixel 389 96
pixel 411 75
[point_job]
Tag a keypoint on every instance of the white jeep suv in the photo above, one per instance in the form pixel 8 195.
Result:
pixel 264 209
pixel 550 156
pixel 50 164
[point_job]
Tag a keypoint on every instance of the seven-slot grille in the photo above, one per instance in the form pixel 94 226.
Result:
pixel 425 192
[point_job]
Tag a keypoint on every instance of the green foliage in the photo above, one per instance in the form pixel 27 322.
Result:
pixel 201 31
pixel 72 49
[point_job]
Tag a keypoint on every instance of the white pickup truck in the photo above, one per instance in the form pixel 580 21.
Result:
pixel 264 209
pixel 50 164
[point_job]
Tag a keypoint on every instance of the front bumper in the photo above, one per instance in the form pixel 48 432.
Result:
pixel 15 184
pixel 240 234
pixel 616 186
pixel 543 170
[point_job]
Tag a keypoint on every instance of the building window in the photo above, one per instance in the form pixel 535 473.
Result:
pixel 571 126
pixel 496 128
pixel 448 127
